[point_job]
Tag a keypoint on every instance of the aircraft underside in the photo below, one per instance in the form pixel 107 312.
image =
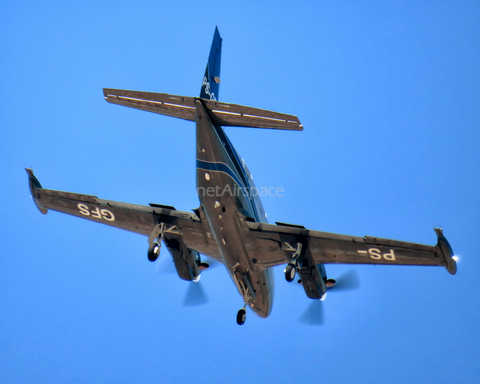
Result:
pixel 230 225
pixel 227 206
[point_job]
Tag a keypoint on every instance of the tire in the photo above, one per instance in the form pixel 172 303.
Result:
pixel 290 272
pixel 153 251
pixel 241 316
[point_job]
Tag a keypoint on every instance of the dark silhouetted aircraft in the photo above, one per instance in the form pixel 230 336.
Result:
pixel 230 225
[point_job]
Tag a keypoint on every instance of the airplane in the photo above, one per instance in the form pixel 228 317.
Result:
pixel 230 225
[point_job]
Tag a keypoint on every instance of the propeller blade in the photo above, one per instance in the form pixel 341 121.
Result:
pixel 165 263
pixel 195 295
pixel 347 282
pixel 313 314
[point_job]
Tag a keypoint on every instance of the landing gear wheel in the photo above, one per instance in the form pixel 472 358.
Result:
pixel 290 272
pixel 153 251
pixel 241 316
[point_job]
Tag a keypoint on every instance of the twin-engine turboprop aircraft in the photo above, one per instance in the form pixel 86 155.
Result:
pixel 230 225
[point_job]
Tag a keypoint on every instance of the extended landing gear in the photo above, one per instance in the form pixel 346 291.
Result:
pixel 155 242
pixel 241 316
pixel 290 272
pixel 153 251
pixel 291 269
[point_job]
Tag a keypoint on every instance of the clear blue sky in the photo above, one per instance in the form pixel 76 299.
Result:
pixel 388 93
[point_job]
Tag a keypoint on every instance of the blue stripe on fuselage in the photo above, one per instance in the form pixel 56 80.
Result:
pixel 238 164
pixel 224 168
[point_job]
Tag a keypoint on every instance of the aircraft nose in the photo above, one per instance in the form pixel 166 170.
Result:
pixel 263 308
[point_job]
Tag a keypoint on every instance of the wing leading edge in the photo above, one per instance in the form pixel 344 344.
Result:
pixel 131 217
pixel 276 245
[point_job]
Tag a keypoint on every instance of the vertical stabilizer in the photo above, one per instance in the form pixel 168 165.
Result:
pixel 211 79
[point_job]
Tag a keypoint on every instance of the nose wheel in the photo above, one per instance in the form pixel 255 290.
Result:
pixel 241 316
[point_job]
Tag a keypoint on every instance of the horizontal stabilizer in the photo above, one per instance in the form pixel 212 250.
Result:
pixel 182 107
pixel 162 103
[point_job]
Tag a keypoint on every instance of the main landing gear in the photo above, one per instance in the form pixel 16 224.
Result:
pixel 154 251
pixel 290 272
pixel 291 269
pixel 155 242
pixel 241 316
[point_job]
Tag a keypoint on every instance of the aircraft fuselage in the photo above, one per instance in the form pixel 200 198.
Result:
pixel 224 187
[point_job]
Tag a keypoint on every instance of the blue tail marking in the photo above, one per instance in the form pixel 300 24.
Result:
pixel 211 79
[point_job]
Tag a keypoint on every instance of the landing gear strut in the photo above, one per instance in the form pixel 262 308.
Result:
pixel 241 316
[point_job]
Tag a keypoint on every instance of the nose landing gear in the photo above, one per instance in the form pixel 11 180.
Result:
pixel 241 316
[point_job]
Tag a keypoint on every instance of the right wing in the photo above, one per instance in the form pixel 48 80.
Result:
pixel 276 245
pixel 131 217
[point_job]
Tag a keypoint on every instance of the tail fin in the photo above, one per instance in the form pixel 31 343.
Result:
pixel 211 80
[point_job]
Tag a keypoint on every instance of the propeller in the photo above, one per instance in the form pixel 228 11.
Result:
pixel 195 295
pixel 313 314
pixel 164 263
pixel 347 282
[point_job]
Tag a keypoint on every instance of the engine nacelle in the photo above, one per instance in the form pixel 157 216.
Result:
pixel 186 260
pixel 313 279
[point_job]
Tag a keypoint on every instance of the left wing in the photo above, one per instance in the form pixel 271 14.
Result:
pixel 140 219
pixel 276 244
